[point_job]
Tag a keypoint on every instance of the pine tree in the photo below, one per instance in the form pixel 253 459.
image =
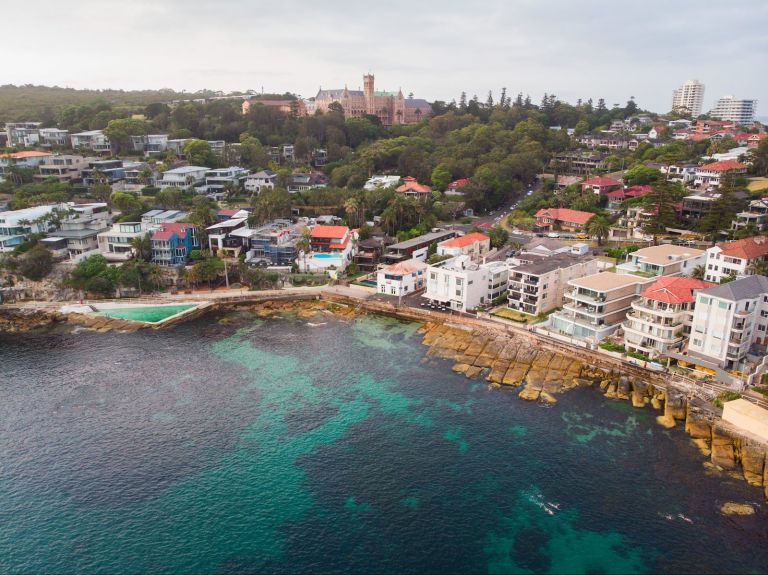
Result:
pixel 463 101
pixel 659 202
pixel 721 210
pixel 489 101
pixel 519 100
pixel 503 99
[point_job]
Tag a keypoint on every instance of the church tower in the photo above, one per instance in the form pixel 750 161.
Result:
pixel 370 99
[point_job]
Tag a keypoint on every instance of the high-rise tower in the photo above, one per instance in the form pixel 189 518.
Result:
pixel 689 98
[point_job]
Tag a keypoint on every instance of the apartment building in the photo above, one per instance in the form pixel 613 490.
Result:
pixel 756 215
pixel 660 320
pixel 91 140
pixel 738 258
pixel 728 320
pixel 538 287
pixel 475 245
pixel 732 109
pixel 63 168
pixel 595 306
pixel 461 284
pixel 689 98
pixel 402 278
pixel 663 260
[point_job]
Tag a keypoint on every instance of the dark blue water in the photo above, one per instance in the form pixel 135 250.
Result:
pixel 273 446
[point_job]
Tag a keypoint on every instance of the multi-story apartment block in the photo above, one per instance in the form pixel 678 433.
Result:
pixel 538 287
pixel 23 134
pixel 660 320
pixel 738 258
pixel 91 140
pixel 16 226
pixel 663 260
pixel 735 110
pixel 461 284
pixel 727 320
pixel 64 168
pixel 184 177
pixel 54 137
pixel 594 306
pixel 475 245
pixel 756 215
pixel 689 98
pixel 255 183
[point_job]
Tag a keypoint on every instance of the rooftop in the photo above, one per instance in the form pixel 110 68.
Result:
pixel 723 166
pixel 322 231
pixel 556 262
pixel 665 253
pixel 565 215
pixel 747 248
pixel 604 281
pixel 424 238
pixel 675 289
pixel 405 267
pixel 463 241
pixel 747 287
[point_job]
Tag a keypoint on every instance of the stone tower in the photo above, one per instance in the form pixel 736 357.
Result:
pixel 370 100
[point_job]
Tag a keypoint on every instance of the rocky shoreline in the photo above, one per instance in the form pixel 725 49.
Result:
pixel 539 370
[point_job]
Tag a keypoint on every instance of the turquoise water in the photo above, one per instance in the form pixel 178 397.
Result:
pixel 322 256
pixel 146 313
pixel 238 445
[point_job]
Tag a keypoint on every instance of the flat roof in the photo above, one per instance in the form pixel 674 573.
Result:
pixel 429 238
pixel 661 254
pixel 555 262
pixel 603 281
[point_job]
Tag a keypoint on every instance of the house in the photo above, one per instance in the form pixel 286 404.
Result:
pixel 255 183
pixel 600 185
pixel 172 244
pixel 381 181
pixel 616 198
pixel 695 206
pixel 756 215
pixel 565 181
pixel 417 247
pixel 183 177
pixel 331 247
pixel 217 181
pixel 455 187
pixel 413 189
pixel 753 141
pixel 54 137
pixel 63 168
pixel 219 235
pixel 463 285
pixel 116 243
pixel 660 320
pixel 273 244
pixel 402 278
pixel 737 258
pixel 26 159
pixel 582 163
pixel 539 248
pixel 684 173
pixel 81 227
pixel 711 174
pixel 369 253
pixel 23 134
pixel 302 182
pixel 16 226
pixel 562 219
pixel 152 144
pixel 538 287
pixel 91 140
pixel 663 260
pixel 595 306
pixel 475 245
pixel 155 218
pixel 107 171
pixel 225 214
pixel 727 321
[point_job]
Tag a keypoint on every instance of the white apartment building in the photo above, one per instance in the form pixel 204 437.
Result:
pixel 727 320
pixel 23 134
pixel 594 306
pixel 54 137
pixel 402 278
pixel 663 260
pixel 16 226
pixel 91 140
pixel 660 320
pixel 735 110
pixel 463 285
pixel 689 98
pixel 184 177
pixel 475 245
pixel 116 243
pixel 538 287
pixel 255 183
pixel 737 258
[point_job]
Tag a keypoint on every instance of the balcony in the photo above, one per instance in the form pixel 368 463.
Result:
pixel 584 296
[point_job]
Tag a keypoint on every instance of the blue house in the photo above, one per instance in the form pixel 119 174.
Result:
pixel 172 243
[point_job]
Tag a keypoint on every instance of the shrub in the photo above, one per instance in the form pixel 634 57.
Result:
pixel 725 397
pixel 612 347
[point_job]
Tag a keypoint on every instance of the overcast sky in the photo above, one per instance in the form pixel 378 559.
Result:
pixel 433 48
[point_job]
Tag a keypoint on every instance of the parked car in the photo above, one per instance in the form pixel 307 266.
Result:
pixel 554 235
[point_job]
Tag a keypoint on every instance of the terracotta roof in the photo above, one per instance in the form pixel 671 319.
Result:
pixel 329 231
pixel 747 248
pixel 460 183
pixel 723 165
pixel 631 192
pixel 405 267
pixel 602 181
pixel 27 154
pixel 466 240
pixel 675 289
pixel 228 211
pixel 565 215
pixel 170 229
pixel 412 185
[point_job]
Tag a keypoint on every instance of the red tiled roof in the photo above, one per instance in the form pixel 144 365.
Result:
pixel 602 181
pixel 409 179
pixel 723 166
pixel 228 211
pixel 170 229
pixel 485 225
pixel 466 240
pixel 747 248
pixel 27 154
pixel 329 231
pixel 460 183
pixel 675 289
pixel 697 137
pixel 405 267
pixel 412 185
pixel 565 215
pixel 631 192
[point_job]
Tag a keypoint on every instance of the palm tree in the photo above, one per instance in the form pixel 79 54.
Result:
pixel 758 267
pixel 599 227
pixel 142 247
pixel 698 272
pixel 352 209
pixel 304 244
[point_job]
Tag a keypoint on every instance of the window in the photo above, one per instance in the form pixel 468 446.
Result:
pixel 724 306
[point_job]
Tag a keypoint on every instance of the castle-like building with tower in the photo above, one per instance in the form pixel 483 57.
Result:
pixel 390 107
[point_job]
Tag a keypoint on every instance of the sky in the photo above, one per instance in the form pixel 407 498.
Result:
pixel 433 48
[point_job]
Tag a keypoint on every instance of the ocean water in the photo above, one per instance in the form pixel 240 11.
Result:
pixel 146 313
pixel 240 445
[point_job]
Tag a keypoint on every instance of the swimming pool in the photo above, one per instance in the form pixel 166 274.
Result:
pixel 145 313
pixel 324 256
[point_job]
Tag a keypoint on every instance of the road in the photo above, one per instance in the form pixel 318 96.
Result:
pixel 495 217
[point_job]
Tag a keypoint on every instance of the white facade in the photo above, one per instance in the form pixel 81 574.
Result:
pixel 663 260
pixel 402 278
pixel 17 225
pixel 54 137
pixel 255 183
pixel 726 259
pixel 216 180
pixel 464 285
pixel 734 110
pixel 183 177
pixel 689 98
pixel 381 181
pixel 116 244
pixel 91 140
pixel 23 134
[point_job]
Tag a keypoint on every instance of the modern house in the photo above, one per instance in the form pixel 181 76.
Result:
pixel 302 182
pixel 332 247
pixel 273 244
pixel 54 137
pixel 738 258
pixel 562 219
pixel 461 284
pixel 91 140
pixel 594 306
pixel 369 253
pixel 663 260
pixel 155 218
pixel 107 171
pixel 660 320
pixel 402 278
pixel 23 134
pixel 172 244
pixel 219 235
pixel 381 181
pixel 25 159
pixel 412 189
pixel 255 183
pixel 727 321
pixel 538 287
pixel 63 168
pixel 81 227
pixel 184 177
pixel 216 181
pixel 475 245
pixel 150 144
pixel 116 244
pixel 417 247
pixel 16 226
pixel 756 215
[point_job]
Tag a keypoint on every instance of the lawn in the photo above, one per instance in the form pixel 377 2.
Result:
pixel 513 315
pixel 756 184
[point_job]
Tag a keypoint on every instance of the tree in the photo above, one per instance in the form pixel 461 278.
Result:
pixel 170 197
pixel 142 247
pixel 126 202
pixel 199 153
pixel 352 209
pixel 304 244
pixel 640 175
pixel 699 272
pixel 36 263
pixel 598 227
pixel 119 132
pixel 659 203
pixel 499 236
pixel 93 275
pixel 721 210
pixel 208 270
pixel 270 204
pixel 441 177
